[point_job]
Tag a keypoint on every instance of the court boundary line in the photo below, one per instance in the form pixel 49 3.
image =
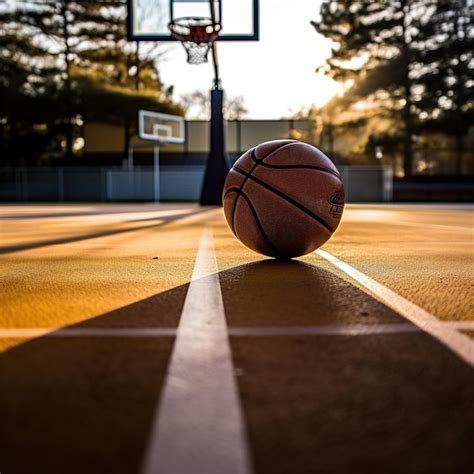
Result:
pixel 458 342
pixel 199 425
pixel 235 331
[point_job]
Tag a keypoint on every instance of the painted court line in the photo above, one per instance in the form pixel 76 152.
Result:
pixel 199 427
pixel 459 343
pixel 462 325
pixel 352 330
pixel 342 330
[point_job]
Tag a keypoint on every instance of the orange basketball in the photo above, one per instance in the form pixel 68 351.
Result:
pixel 283 198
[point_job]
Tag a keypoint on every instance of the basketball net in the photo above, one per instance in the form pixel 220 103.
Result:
pixel 197 35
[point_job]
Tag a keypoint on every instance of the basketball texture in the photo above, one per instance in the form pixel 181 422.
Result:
pixel 283 198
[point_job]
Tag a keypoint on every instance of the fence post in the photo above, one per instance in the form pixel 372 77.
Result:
pixel 61 184
pixel 18 186
pixel 387 184
pixel 24 184
pixel 346 177
pixel 156 172
pixel 238 127
pixel 104 184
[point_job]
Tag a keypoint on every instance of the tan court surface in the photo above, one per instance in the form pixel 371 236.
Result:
pixel 398 402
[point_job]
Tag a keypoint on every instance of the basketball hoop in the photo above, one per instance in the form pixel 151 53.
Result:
pixel 196 34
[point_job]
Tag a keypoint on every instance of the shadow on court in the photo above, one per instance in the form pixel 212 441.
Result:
pixel 72 213
pixel 163 220
pixel 333 404
pixel 388 403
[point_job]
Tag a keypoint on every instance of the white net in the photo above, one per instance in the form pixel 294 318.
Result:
pixel 197 53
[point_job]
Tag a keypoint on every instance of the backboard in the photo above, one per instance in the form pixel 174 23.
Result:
pixel 148 19
pixel 161 128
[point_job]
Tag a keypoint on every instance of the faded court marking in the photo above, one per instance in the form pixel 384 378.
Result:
pixel 342 330
pixel 199 426
pixel 459 343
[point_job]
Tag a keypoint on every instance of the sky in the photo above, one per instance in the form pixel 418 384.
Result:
pixel 276 75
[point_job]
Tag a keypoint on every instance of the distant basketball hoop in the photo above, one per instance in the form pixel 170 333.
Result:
pixel 160 129
pixel 197 35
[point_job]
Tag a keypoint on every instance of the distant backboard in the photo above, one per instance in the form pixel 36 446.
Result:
pixel 161 128
pixel 148 19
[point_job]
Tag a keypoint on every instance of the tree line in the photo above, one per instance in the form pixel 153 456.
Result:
pixel 407 68
pixel 64 62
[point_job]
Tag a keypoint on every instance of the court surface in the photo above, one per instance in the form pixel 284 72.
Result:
pixel 146 338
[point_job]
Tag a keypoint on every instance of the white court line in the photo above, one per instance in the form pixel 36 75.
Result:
pixel 459 343
pixel 351 330
pixel 342 330
pixel 199 427
pixel 461 325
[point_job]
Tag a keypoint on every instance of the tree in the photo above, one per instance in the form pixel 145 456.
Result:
pixel 374 43
pixel 197 105
pixel 234 108
pixel 408 63
pixel 63 53
pixel 21 83
pixel 446 80
pixel 130 67
pixel 52 24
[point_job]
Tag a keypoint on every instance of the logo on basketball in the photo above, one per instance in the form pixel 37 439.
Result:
pixel 336 201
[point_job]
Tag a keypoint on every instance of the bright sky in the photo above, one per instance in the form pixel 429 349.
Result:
pixel 276 76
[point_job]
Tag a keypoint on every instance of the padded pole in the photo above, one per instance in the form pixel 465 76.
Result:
pixel 216 167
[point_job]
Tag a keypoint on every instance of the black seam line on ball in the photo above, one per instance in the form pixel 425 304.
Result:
pixel 286 198
pixel 234 205
pixel 238 195
pixel 305 167
pixel 264 157
pixel 308 167
pixel 239 192
pixel 257 162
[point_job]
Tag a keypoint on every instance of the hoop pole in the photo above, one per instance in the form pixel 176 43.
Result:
pixel 217 166
pixel 213 11
pixel 215 60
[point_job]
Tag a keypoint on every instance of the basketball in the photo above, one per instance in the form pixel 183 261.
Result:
pixel 283 198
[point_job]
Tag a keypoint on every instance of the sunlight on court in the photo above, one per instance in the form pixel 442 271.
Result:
pixel 102 293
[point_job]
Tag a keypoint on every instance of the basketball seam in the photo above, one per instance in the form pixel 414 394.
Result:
pixel 309 167
pixel 287 198
pixel 239 193
pixel 279 147
pixel 250 172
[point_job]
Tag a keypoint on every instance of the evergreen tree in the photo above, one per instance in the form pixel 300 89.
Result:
pixel 110 58
pixel 446 80
pixel 22 84
pixel 374 49
pixel 64 55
